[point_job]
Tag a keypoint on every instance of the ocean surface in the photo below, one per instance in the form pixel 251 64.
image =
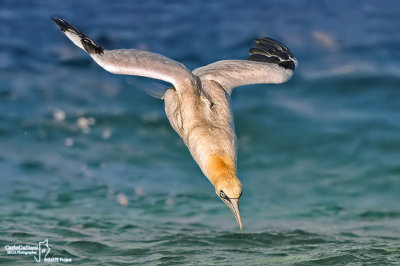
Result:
pixel 89 162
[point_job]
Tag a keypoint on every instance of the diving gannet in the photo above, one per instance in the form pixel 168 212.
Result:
pixel 198 104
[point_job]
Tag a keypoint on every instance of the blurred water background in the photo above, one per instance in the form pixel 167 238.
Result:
pixel 89 161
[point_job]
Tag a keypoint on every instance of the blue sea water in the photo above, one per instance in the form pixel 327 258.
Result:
pixel 89 161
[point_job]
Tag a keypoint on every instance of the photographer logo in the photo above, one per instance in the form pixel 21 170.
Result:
pixel 40 252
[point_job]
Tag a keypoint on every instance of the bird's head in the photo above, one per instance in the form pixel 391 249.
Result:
pixel 222 174
pixel 230 194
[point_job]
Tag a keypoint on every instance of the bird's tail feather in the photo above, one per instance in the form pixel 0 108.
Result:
pixel 78 37
pixel 271 51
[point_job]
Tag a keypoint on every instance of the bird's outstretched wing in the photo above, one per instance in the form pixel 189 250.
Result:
pixel 128 62
pixel 270 62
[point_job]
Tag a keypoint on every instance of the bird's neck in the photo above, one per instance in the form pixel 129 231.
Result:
pixel 221 168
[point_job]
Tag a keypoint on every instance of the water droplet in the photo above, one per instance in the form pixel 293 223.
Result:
pixel 139 191
pixel 106 133
pixel 69 142
pixel 122 199
pixel 83 123
pixel 59 115
pixel 169 202
pixel 91 121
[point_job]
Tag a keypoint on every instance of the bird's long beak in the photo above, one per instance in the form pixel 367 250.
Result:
pixel 234 206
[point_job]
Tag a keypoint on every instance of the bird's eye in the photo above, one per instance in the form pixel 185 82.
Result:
pixel 222 194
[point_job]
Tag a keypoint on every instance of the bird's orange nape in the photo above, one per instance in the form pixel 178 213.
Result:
pixel 220 167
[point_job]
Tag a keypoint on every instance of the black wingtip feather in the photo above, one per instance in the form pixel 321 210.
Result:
pixel 65 26
pixel 90 46
pixel 271 51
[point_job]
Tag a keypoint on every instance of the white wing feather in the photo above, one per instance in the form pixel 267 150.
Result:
pixel 128 62
pixel 142 63
pixel 234 73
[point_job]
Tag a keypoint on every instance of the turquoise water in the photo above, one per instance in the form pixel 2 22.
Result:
pixel 89 161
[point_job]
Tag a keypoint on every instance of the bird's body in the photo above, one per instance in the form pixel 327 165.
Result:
pixel 198 104
pixel 205 125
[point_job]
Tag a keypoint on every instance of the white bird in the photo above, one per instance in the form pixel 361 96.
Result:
pixel 198 104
